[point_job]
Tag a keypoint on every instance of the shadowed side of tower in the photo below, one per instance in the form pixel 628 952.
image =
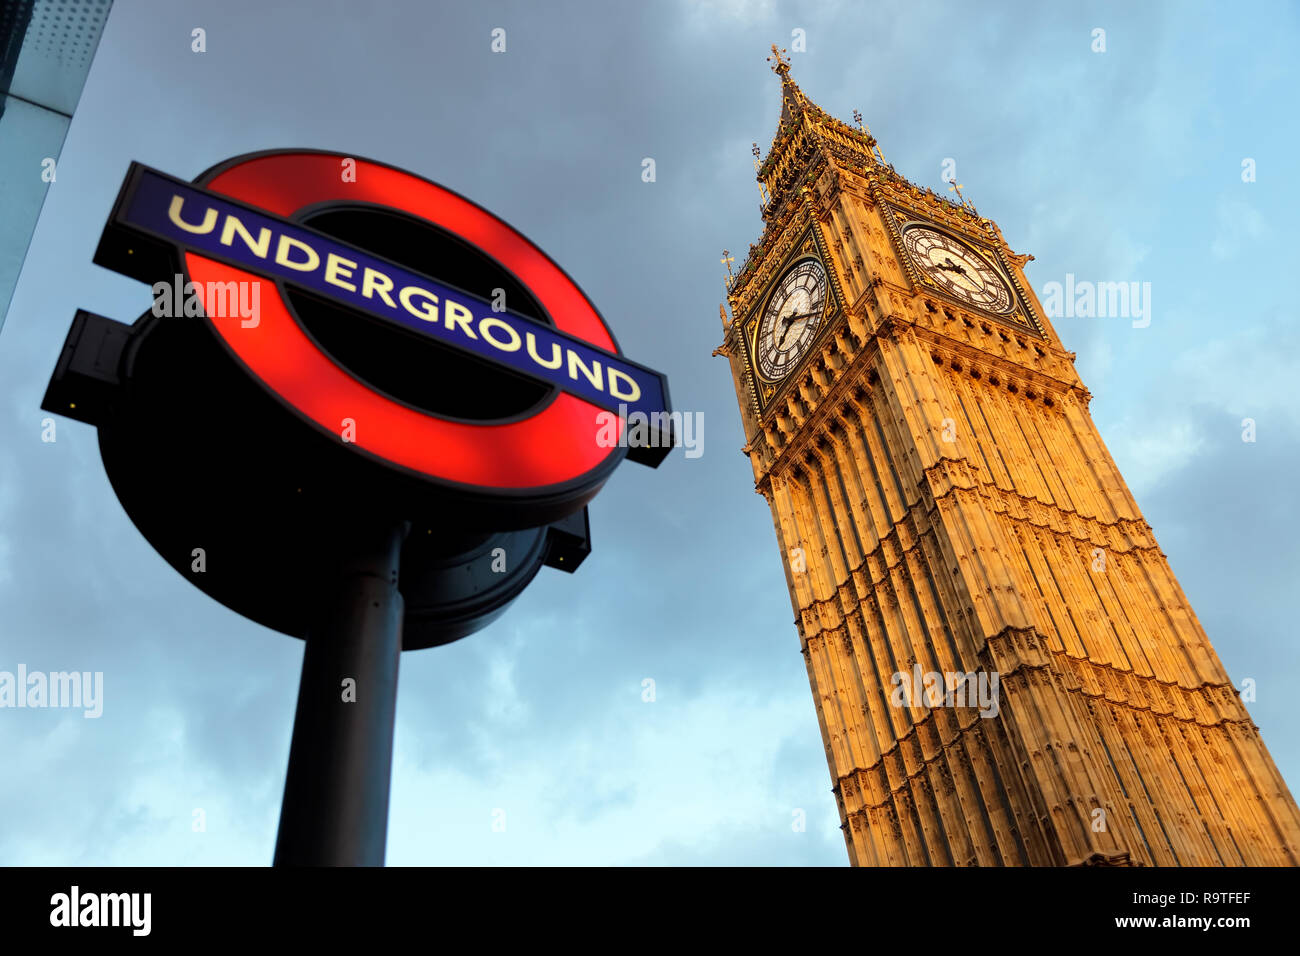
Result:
pixel 1005 669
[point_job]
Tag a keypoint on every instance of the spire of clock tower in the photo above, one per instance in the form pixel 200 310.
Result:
pixel 807 138
pixel 793 99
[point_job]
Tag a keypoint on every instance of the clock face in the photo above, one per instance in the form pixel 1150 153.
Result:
pixel 793 316
pixel 958 270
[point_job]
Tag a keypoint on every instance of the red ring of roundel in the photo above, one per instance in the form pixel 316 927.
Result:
pixel 552 447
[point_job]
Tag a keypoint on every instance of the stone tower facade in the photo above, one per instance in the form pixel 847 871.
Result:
pixel 1005 670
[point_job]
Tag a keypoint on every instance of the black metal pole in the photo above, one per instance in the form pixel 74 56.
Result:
pixel 335 809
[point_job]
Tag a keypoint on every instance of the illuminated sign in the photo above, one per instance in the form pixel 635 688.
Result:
pixel 361 410
pixel 203 222
pixel 237 224
pixel 330 347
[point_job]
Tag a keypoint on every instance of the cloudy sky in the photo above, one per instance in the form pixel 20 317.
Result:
pixel 1123 165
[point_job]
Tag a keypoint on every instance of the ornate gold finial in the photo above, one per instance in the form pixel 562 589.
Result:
pixel 725 347
pixel 727 259
pixel 782 66
pixel 762 189
pixel 864 128
pixel 954 186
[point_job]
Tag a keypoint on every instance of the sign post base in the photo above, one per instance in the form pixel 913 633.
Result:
pixel 335 809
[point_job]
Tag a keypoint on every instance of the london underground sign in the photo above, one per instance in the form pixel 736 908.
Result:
pixel 236 227
pixel 380 455
pixel 201 221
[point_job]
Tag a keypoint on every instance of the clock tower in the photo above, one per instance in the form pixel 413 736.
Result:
pixel 1005 670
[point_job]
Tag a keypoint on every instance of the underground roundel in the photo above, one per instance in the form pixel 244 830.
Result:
pixel 461 386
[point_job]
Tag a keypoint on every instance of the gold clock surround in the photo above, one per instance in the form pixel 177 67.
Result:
pixel 799 295
pixel 1022 316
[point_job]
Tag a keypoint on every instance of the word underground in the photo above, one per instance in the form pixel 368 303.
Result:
pixel 659 430
pixel 103 909
pixel 210 225
pixel 416 301
pixel 58 689
pixel 932 689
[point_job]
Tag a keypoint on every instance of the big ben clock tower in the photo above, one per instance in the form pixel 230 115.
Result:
pixel 1005 670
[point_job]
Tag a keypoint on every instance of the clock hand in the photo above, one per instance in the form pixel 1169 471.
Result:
pixel 798 317
pixel 793 322
pixel 783 323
